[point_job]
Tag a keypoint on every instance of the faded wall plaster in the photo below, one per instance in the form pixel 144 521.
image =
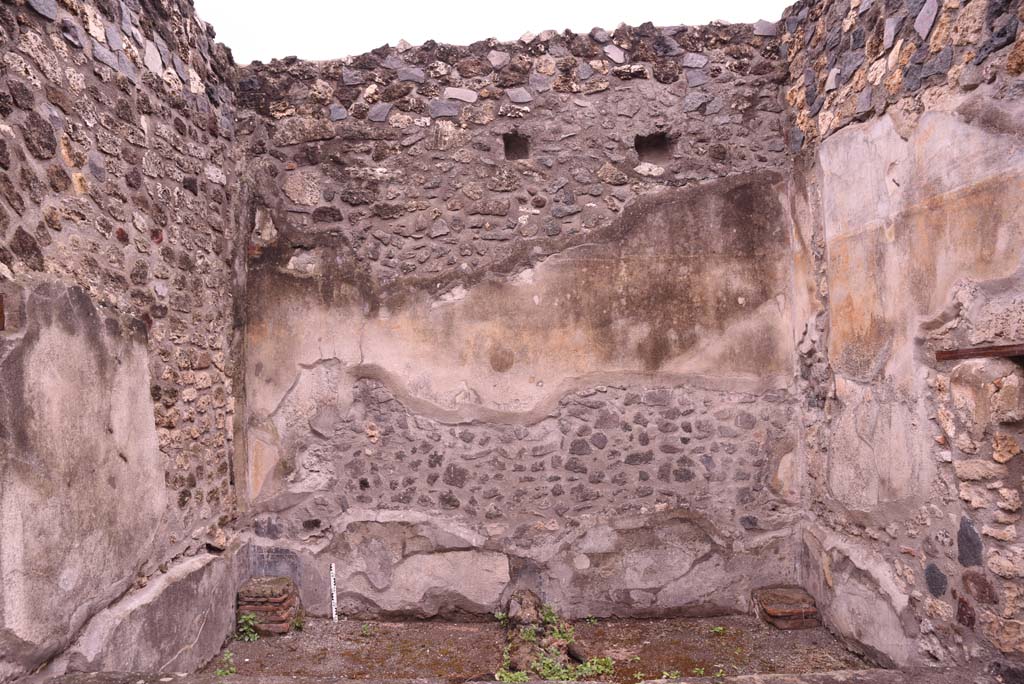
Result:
pixel 81 470
pixel 117 273
pixel 904 227
pixel 920 237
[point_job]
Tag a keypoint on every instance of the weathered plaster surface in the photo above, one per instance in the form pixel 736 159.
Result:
pixel 117 278
pixel 903 224
pixel 83 504
pixel 913 213
pixel 510 405
pixel 640 320
pixel 148 631
pixel 669 296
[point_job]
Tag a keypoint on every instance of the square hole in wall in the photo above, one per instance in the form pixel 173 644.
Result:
pixel 655 148
pixel 517 146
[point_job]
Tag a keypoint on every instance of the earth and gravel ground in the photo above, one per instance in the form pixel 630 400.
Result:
pixel 734 649
pixel 459 652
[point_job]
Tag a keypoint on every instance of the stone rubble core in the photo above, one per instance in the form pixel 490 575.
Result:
pixel 641 320
pixel 533 637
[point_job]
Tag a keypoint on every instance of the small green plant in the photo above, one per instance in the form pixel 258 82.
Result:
pixel 671 674
pixel 564 632
pixel 502 618
pixel 633 659
pixel 718 631
pixel 595 667
pixel 528 633
pixel 639 676
pixel 591 620
pixel 299 623
pixel 548 615
pixel 366 630
pixel 548 666
pixel 719 674
pixel 227 665
pixel 505 673
pixel 247 627
pixel 697 672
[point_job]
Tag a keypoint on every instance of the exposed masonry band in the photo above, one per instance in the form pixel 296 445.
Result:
pixel 641 320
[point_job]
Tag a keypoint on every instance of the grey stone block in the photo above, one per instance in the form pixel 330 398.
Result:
pixel 926 18
pixel 47 8
pixel 444 108
pixel 462 94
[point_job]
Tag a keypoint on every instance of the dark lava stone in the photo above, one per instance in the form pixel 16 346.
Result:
pixel 936 580
pixel 968 544
pixel 27 249
pixel 38 136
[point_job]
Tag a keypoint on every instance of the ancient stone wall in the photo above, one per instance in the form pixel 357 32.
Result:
pixel 520 314
pixel 116 278
pixel 640 320
pixel 910 118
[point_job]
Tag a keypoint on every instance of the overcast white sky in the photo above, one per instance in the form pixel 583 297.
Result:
pixel 329 29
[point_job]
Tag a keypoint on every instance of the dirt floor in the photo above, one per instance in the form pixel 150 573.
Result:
pixel 455 652
pixel 670 648
pixel 459 652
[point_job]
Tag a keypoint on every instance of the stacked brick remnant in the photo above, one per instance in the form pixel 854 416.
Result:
pixel 786 608
pixel 274 601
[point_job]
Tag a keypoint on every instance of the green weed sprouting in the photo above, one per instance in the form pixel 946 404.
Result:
pixel 227 665
pixel 247 627
pixel 564 632
pixel 505 673
pixel 548 615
